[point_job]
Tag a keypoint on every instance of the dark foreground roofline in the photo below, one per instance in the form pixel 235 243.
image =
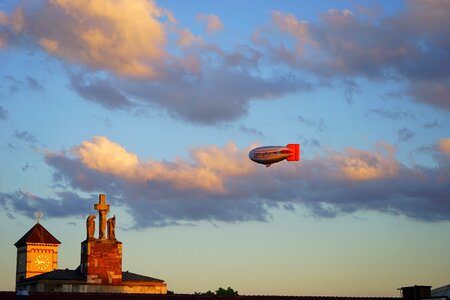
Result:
pixel 73 296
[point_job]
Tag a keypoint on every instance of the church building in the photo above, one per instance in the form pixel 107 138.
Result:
pixel 100 269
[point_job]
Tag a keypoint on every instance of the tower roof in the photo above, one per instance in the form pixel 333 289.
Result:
pixel 37 234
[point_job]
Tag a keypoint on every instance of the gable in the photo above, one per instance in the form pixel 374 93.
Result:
pixel 37 234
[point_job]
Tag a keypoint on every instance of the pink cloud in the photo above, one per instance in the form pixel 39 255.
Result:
pixel 213 23
pixel 124 37
pixel 444 146
pixel 187 39
pixel 210 166
pixel 411 45
pixel 221 184
pixel 359 165
pixel 3 18
pixel 289 24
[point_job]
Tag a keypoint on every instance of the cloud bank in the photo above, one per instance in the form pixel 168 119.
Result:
pixel 125 55
pixel 222 184
pixel 409 46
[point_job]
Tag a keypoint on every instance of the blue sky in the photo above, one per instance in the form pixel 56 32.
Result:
pixel 157 104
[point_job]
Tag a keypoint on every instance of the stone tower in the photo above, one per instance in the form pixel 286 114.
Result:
pixel 37 253
pixel 101 258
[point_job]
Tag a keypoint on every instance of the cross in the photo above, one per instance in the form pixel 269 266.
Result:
pixel 38 215
pixel 103 210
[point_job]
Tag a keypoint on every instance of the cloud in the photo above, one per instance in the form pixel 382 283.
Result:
pixel 3 113
pixel 195 97
pixel 405 134
pixel 3 23
pixel 26 137
pixel 392 115
pixel 222 184
pixel 350 87
pixel 299 30
pixel 33 84
pixel 444 146
pixel 358 165
pixel 99 90
pixel 434 124
pixel 10 25
pixel 16 85
pixel 213 23
pixel 27 167
pixel 340 43
pixel 252 131
pixel 136 50
pixel 67 204
pixel 409 45
pixel 434 92
pixel 187 39
pixel 206 173
pixel 3 18
pixel 318 124
pixel 122 37
pixel 311 142
pixel 160 193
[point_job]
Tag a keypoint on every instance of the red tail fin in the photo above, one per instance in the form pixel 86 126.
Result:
pixel 296 149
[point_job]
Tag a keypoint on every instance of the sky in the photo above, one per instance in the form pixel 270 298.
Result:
pixel 157 104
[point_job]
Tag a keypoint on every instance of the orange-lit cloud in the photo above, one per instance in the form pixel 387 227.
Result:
pixel 105 156
pixel 213 23
pixel 3 18
pixel 15 21
pixel 125 37
pixel 187 39
pixel 290 25
pixel 444 146
pixel 359 165
pixel 221 183
pixel 211 166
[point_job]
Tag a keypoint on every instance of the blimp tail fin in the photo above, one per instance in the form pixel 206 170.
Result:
pixel 296 149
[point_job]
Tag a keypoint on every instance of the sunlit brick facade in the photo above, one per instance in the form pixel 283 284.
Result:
pixel 100 269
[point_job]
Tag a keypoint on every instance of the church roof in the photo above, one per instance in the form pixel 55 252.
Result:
pixel 37 234
pixel 76 275
pixel 66 274
pixel 128 276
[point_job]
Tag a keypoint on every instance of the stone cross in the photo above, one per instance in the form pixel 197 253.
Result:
pixel 103 210
pixel 38 215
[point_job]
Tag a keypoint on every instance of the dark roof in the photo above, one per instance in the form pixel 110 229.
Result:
pixel 106 296
pixel 76 275
pixel 128 276
pixel 37 234
pixel 66 274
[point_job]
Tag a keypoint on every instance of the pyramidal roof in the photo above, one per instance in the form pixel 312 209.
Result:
pixel 37 234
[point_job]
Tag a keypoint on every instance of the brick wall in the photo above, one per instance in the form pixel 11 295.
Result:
pixel 101 261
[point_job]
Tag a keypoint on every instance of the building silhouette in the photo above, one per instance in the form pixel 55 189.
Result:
pixel 100 269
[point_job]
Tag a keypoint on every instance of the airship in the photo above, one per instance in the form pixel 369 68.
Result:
pixel 272 154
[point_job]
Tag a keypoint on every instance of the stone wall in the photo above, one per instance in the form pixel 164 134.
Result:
pixel 101 261
pixel 66 287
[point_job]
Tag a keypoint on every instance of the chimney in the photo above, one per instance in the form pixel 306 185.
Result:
pixel 416 292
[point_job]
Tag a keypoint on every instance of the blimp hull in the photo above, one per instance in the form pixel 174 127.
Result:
pixel 272 154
